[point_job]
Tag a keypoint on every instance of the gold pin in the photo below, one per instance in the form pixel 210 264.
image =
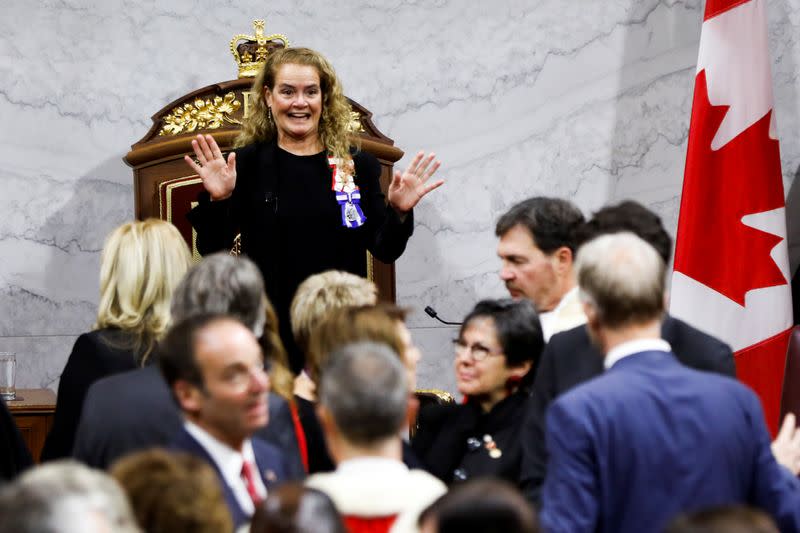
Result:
pixel 495 453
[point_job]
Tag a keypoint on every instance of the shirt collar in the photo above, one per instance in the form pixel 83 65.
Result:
pixel 228 460
pixel 548 318
pixel 636 346
pixel 372 466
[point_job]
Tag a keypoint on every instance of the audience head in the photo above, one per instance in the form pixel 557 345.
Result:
pixel 295 508
pixel 322 293
pixel 363 396
pixel 214 367
pixel 229 285
pixel 480 506
pixel 65 497
pixel 734 519
pixel 381 323
pixel 141 264
pixel 628 216
pixel 265 121
pixel 173 492
pixel 497 346
pixel 537 247
pixel 621 278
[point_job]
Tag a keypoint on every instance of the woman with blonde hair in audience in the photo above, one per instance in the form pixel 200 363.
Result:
pixel 317 297
pixel 382 323
pixel 494 353
pixel 141 264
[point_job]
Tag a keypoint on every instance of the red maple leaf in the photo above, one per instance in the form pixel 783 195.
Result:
pixel 720 187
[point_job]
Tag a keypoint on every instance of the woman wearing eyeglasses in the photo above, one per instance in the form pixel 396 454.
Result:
pixel 494 354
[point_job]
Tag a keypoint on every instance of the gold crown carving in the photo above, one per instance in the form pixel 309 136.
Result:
pixel 251 51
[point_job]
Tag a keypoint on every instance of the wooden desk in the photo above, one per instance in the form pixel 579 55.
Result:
pixel 33 412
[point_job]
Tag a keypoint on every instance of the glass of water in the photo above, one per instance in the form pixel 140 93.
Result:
pixel 8 369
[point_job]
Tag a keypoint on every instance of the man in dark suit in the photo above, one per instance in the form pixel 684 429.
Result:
pixel 215 370
pixel 651 438
pixel 570 358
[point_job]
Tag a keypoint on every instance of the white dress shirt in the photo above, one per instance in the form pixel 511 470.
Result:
pixel 229 462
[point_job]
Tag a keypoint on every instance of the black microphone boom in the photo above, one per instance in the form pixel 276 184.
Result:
pixel 432 313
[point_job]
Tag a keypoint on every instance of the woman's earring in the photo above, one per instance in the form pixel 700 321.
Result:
pixel 269 113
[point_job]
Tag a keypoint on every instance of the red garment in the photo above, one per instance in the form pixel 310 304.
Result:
pixel 300 433
pixel 369 524
pixel 250 482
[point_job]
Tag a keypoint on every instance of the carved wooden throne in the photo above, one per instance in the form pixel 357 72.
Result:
pixel 165 187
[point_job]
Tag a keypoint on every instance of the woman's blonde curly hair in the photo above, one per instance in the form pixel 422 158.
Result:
pixel 333 123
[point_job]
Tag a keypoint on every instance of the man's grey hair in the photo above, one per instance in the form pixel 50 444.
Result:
pixel 622 277
pixel 364 387
pixel 223 284
pixel 65 497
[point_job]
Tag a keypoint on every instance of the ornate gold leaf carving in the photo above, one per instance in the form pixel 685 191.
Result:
pixel 355 126
pixel 202 115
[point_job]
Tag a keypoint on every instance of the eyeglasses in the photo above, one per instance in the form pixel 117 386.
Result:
pixel 477 351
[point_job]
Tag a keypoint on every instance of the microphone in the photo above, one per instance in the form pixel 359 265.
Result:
pixel 432 313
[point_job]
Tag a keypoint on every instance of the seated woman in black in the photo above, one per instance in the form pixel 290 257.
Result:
pixel 141 264
pixel 494 353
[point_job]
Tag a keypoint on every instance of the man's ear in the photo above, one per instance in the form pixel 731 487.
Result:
pixel 592 317
pixel 330 432
pixel 188 395
pixel 326 420
pixel 563 259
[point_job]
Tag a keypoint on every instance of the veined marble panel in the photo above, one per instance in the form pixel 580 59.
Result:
pixel 589 100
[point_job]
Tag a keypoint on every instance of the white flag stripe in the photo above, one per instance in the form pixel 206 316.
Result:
pixel 734 51
pixel 767 311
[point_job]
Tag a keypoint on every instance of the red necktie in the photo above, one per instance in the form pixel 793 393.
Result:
pixel 250 482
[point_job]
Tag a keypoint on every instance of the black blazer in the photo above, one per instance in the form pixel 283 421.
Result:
pixel 570 359
pixel 95 355
pixel 135 410
pixel 291 225
pixel 450 440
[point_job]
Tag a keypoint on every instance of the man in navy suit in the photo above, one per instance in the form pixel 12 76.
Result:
pixel 569 358
pixel 651 438
pixel 214 367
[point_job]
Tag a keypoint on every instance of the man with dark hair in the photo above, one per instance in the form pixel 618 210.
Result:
pixel 537 247
pixel 651 438
pixel 570 358
pixel 215 370
pixel 363 399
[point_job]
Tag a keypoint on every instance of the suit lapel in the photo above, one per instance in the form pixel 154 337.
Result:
pixel 186 442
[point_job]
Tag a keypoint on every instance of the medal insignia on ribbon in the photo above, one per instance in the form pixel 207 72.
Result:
pixel 346 192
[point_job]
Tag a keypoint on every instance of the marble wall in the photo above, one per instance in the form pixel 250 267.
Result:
pixel 589 100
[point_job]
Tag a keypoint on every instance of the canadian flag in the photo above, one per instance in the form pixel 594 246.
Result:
pixel 731 258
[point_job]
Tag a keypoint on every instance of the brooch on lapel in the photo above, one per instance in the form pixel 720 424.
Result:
pixel 346 191
pixel 491 446
pixel 270 476
pixel 488 444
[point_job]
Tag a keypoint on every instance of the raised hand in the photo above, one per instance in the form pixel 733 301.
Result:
pixel 408 188
pixel 219 177
pixel 786 446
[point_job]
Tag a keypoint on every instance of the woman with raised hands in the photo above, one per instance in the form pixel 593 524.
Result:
pixel 297 189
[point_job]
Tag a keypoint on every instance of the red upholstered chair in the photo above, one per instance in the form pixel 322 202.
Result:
pixel 790 398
